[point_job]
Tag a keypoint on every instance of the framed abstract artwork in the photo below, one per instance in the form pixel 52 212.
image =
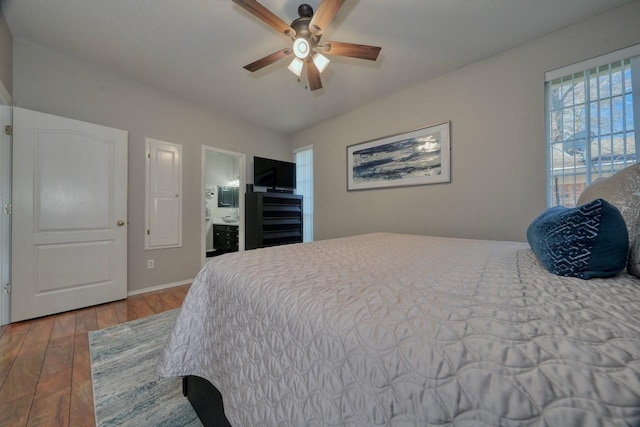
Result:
pixel 417 157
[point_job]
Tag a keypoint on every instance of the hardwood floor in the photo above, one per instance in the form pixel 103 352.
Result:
pixel 45 366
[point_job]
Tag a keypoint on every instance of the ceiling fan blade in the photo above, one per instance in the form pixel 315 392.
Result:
pixel 361 51
pixel 267 16
pixel 313 76
pixel 323 16
pixel 268 60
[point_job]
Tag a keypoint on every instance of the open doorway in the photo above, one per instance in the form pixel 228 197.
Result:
pixel 223 183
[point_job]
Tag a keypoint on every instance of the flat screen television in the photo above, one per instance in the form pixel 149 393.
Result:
pixel 274 173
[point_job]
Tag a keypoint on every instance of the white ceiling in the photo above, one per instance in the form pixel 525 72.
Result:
pixel 196 49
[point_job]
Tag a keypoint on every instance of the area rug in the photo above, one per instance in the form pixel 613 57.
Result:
pixel 126 389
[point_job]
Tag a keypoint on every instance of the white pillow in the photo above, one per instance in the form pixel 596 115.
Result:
pixel 622 190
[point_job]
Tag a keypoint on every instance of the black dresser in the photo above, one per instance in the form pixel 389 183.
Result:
pixel 272 219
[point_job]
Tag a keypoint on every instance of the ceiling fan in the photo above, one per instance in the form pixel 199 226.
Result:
pixel 305 32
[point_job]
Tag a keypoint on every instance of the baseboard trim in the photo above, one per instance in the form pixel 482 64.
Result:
pixel 159 287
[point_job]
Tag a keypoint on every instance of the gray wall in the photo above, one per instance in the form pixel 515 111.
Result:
pixel 496 108
pixel 6 55
pixel 54 83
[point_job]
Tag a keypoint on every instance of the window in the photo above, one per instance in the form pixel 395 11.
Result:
pixel 304 186
pixel 591 130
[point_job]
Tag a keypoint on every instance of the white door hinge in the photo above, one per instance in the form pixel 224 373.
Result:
pixel 8 129
pixel 7 288
pixel 8 208
pixel 148 232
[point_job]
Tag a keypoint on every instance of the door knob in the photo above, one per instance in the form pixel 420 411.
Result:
pixel 120 223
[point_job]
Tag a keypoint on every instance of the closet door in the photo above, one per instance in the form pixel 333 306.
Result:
pixel 164 195
pixel 69 225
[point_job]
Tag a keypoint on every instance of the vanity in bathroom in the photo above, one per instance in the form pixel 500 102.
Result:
pixel 224 235
pixel 225 238
pixel 225 228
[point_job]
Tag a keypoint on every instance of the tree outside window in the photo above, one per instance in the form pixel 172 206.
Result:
pixel 591 130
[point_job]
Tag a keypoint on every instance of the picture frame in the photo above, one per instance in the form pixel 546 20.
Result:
pixel 418 157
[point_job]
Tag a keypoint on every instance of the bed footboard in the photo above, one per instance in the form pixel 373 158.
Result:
pixel 206 401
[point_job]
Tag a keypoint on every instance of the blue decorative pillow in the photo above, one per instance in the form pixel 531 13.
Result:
pixel 585 242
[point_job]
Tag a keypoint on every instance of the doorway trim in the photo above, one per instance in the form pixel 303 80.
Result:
pixel 5 198
pixel 203 182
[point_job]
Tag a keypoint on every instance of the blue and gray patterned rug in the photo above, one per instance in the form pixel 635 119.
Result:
pixel 126 389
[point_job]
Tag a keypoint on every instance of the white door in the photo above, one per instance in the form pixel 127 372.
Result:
pixel 5 214
pixel 163 195
pixel 69 225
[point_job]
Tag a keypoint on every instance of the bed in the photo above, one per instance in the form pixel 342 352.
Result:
pixel 392 329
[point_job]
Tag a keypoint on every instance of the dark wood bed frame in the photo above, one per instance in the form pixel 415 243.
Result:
pixel 206 401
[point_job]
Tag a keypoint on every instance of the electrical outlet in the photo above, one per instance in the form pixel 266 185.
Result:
pixel 151 263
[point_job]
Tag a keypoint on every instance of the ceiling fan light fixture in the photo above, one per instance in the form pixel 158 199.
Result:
pixel 296 66
pixel 305 33
pixel 301 47
pixel 321 61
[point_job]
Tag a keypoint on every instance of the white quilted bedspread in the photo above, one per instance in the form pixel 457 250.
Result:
pixel 388 329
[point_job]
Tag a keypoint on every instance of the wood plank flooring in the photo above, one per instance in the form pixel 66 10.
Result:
pixel 45 366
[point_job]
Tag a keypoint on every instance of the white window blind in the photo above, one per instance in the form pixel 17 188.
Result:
pixel 304 187
pixel 591 130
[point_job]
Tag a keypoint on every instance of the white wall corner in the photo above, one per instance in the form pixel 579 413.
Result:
pixel 5 96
